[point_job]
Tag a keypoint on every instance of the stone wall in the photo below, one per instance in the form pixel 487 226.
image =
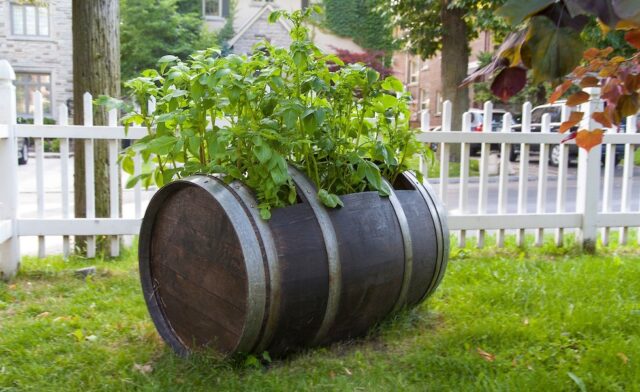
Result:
pixel 52 54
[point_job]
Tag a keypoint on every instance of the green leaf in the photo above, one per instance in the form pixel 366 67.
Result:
pixel 515 11
pixel 552 52
pixel 372 174
pixel 290 118
pixel 293 195
pixel 133 180
pixel 263 153
pixel 161 145
pixel 265 213
pixel 274 16
pixel 194 145
pixel 127 164
pixel 393 84
pixel 328 199
pixel 167 59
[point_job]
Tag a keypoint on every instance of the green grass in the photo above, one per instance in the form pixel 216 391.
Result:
pixel 433 170
pixel 514 319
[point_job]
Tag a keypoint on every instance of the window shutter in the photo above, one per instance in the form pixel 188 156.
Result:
pixel 225 8
pixel 304 4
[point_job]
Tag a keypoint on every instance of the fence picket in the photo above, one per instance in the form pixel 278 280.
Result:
pixel 503 181
pixel 485 151
pixel 609 164
pixel 90 186
pixel 424 127
pixel 563 168
pixel 444 151
pixel 38 119
pixel 524 170
pixel 137 190
pixel 63 119
pixel 543 166
pixel 627 178
pixel 464 176
pixel 114 182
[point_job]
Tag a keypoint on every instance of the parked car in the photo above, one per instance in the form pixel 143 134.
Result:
pixel 477 124
pixel 555 112
pixel 23 151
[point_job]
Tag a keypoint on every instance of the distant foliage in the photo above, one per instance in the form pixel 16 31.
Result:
pixel 372 59
pixel 552 46
pixel 150 29
pixel 361 21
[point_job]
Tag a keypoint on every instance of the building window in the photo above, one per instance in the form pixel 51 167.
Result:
pixel 26 86
pixel 424 99
pixel 29 20
pixel 212 8
pixel 414 70
pixel 438 103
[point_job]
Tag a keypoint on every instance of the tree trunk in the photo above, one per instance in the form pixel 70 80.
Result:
pixel 455 63
pixel 96 69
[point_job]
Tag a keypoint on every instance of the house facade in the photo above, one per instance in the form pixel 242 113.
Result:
pixel 251 25
pixel 37 42
pixel 422 78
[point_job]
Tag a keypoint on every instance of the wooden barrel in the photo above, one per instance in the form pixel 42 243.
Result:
pixel 216 276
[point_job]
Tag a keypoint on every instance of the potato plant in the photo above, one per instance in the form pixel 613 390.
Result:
pixel 247 117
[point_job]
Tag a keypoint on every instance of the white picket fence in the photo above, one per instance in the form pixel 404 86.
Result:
pixel 594 185
pixel 587 217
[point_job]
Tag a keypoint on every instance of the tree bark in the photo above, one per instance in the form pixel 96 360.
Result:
pixel 96 69
pixel 455 63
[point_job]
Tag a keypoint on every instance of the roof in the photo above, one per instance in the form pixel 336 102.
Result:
pixel 324 40
pixel 247 26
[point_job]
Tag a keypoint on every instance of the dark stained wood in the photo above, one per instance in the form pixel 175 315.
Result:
pixel 423 236
pixel 372 254
pixel 304 275
pixel 198 269
pixel 196 283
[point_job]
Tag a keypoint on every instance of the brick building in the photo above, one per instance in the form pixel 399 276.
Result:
pixel 36 40
pixel 422 78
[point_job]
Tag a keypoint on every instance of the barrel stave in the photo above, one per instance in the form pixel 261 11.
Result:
pixel 372 262
pixel 304 277
pixel 425 250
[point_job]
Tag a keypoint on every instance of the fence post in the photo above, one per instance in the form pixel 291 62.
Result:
pixel 10 249
pixel 588 189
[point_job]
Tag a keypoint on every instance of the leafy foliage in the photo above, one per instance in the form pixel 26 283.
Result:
pixel 372 59
pixel 421 25
pixel 249 117
pixel 360 20
pixel 151 28
pixel 550 45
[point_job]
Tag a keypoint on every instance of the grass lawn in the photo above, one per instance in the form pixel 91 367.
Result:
pixel 433 170
pixel 514 319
